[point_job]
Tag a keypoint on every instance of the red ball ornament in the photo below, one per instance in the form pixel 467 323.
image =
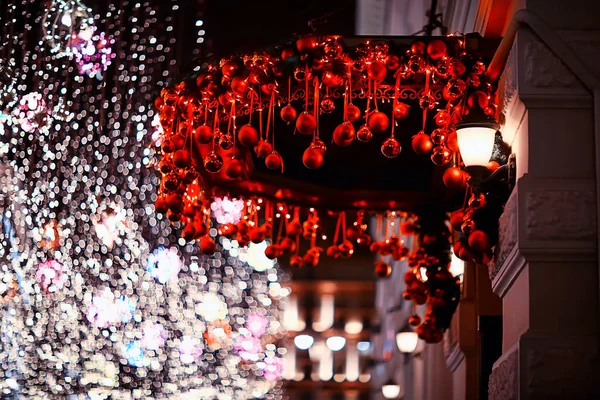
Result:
pixel 207 245
pixel 239 85
pixel 256 235
pixel 346 249
pixel 228 230
pixel 344 134
pixel 414 320
pixel 441 156
pixel 364 134
pixel 436 49
pixel 287 245
pixel 492 166
pixel 203 134
pixel 391 147
pixel 392 62
pixel 352 113
pixel 182 158
pixel 383 269
pixel 418 47
pixel 452 141
pixel 478 98
pixel 306 123
pixel 248 136
pixel 456 219
pixel 400 110
pixel 378 122
pixel 287 53
pixel 438 136
pixel 327 105
pixel 306 44
pixel 442 118
pixel 312 158
pixel 234 168
pixel 229 69
pixel 333 251
pixel 288 114
pixel 273 251
pixel 375 247
pixel 454 179
pixel 161 205
pixel 294 228
pixel 263 148
pixel 408 228
pixel 213 163
pixel 457 68
pixel 421 143
pixel 296 261
pixel 273 160
pixel 377 71
pixel 178 142
pixel 478 240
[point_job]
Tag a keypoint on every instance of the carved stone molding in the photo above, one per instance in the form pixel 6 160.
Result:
pixel 508 232
pixel 504 383
pixel 560 214
pixel 544 69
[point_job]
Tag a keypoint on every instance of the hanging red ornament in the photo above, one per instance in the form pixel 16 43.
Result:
pixel 454 179
pixel 287 245
pixel 327 105
pixel 400 110
pixel 364 134
pixel 344 134
pixel 286 53
pixel 414 320
pixel 408 228
pixel 294 228
pixel 378 122
pixel 228 230
pixel 312 158
pixel 418 47
pixel 492 166
pixel 229 69
pixel 392 62
pixel 318 144
pixel 234 168
pixel 207 245
pixel 442 118
pixel 477 201
pixel 478 240
pixel 391 147
pixel 452 141
pixel 457 68
pixel 438 136
pixel 273 160
pixel 167 146
pixel 306 123
pixel 478 98
pixel 364 240
pixel 352 113
pixel 226 141
pixel 436 49
pixel 288 113
pixel 456 219
pixel 178 142
pixel 301 74
pixel 383 269
pixel 213 163
pixel 333 251
pixel 239 85
pixel 273 251
pixel 467 226
pixel 182 158
pixel 421 143
pixel 248 136
pixel 376 71
pixel 203 134
pixel 427 101
pixel 296 261
pixel 257 234
pixel 441 156
pixel 188 233
pixel 306 44
pixel 456 88
pixel 416 64
pixel 346 249
pixel 263 148
pixel 332 49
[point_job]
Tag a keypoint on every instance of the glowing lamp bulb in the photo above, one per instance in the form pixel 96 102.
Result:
pixel 476 144
pixel 336 343
pixel 390 389
pixel 407 341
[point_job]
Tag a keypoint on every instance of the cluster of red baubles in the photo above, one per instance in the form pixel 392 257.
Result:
pixel 474 243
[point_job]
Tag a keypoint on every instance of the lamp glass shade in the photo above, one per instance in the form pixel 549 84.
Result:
pixel 304 342
pixel 407 341
pixel 336 343
pixel 390 390
pixel 476 144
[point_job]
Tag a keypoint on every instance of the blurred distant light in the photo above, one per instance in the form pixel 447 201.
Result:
pixel 304 342
pixel 363 347
pixel 336 343
pixel 353 327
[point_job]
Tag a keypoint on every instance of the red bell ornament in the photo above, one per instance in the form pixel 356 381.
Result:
pixel 263 148
pixel 234 168
pixel 248 136
pixel 478 240
pixel 441 155
pixel 306 123
pixel 364 134
pixel 352 113
pixel 378 122
pixel 273 160
pixel 288 114
pixel 344 134
pixel 400 110
pixel 207 245
pixel 203 134
pixel 312 158
pixel 454 179
pixel 383 269
pixel 391 148
pixel 377 71
pixel 421 143
pixel 436 49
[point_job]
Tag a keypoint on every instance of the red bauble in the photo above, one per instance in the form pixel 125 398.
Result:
pixel 352 113
pixel 288 114
pixel 296 261
pixel 375 247
pixel 414 320
pixel 478 240
pixel 287 245
pixel 207 245
pixel 478 98
pixel 454 179
pixel 228 230
pixel 344 134
pixel 378 122
pixel 333 251
pixel 306 44
pixel 457 68
pixel 418 47
pixel 492 166
pixel 182 158
pixel 239 85
pixel 441 156
pixel 377 71
pixel 248 136
pixel 364 134
pixel 383 269
pixel 273 251
pixel 178 142
pixel 408 228
pixel 436 49
pixel 213 163
pixel 229 69
pixel 273 160
pixel 263 148
pixel 421 143
pixel 294 228
pixel 442 118
pixel 400 110
pixel 392 62
pixel 203 134
pixel 234 168
pixel 243 227
pixel 256 234
pixel 306 123
pixel 287 53
pixel 346 249
pixel 452 141
pixel 312 158
pixel 456 220
pixel 364 240
pixel 391 148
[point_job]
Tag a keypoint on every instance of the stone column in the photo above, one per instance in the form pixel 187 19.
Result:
pixel 546 270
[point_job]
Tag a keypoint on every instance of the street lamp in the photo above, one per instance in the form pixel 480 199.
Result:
pixel 390 389
pixel 407 341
